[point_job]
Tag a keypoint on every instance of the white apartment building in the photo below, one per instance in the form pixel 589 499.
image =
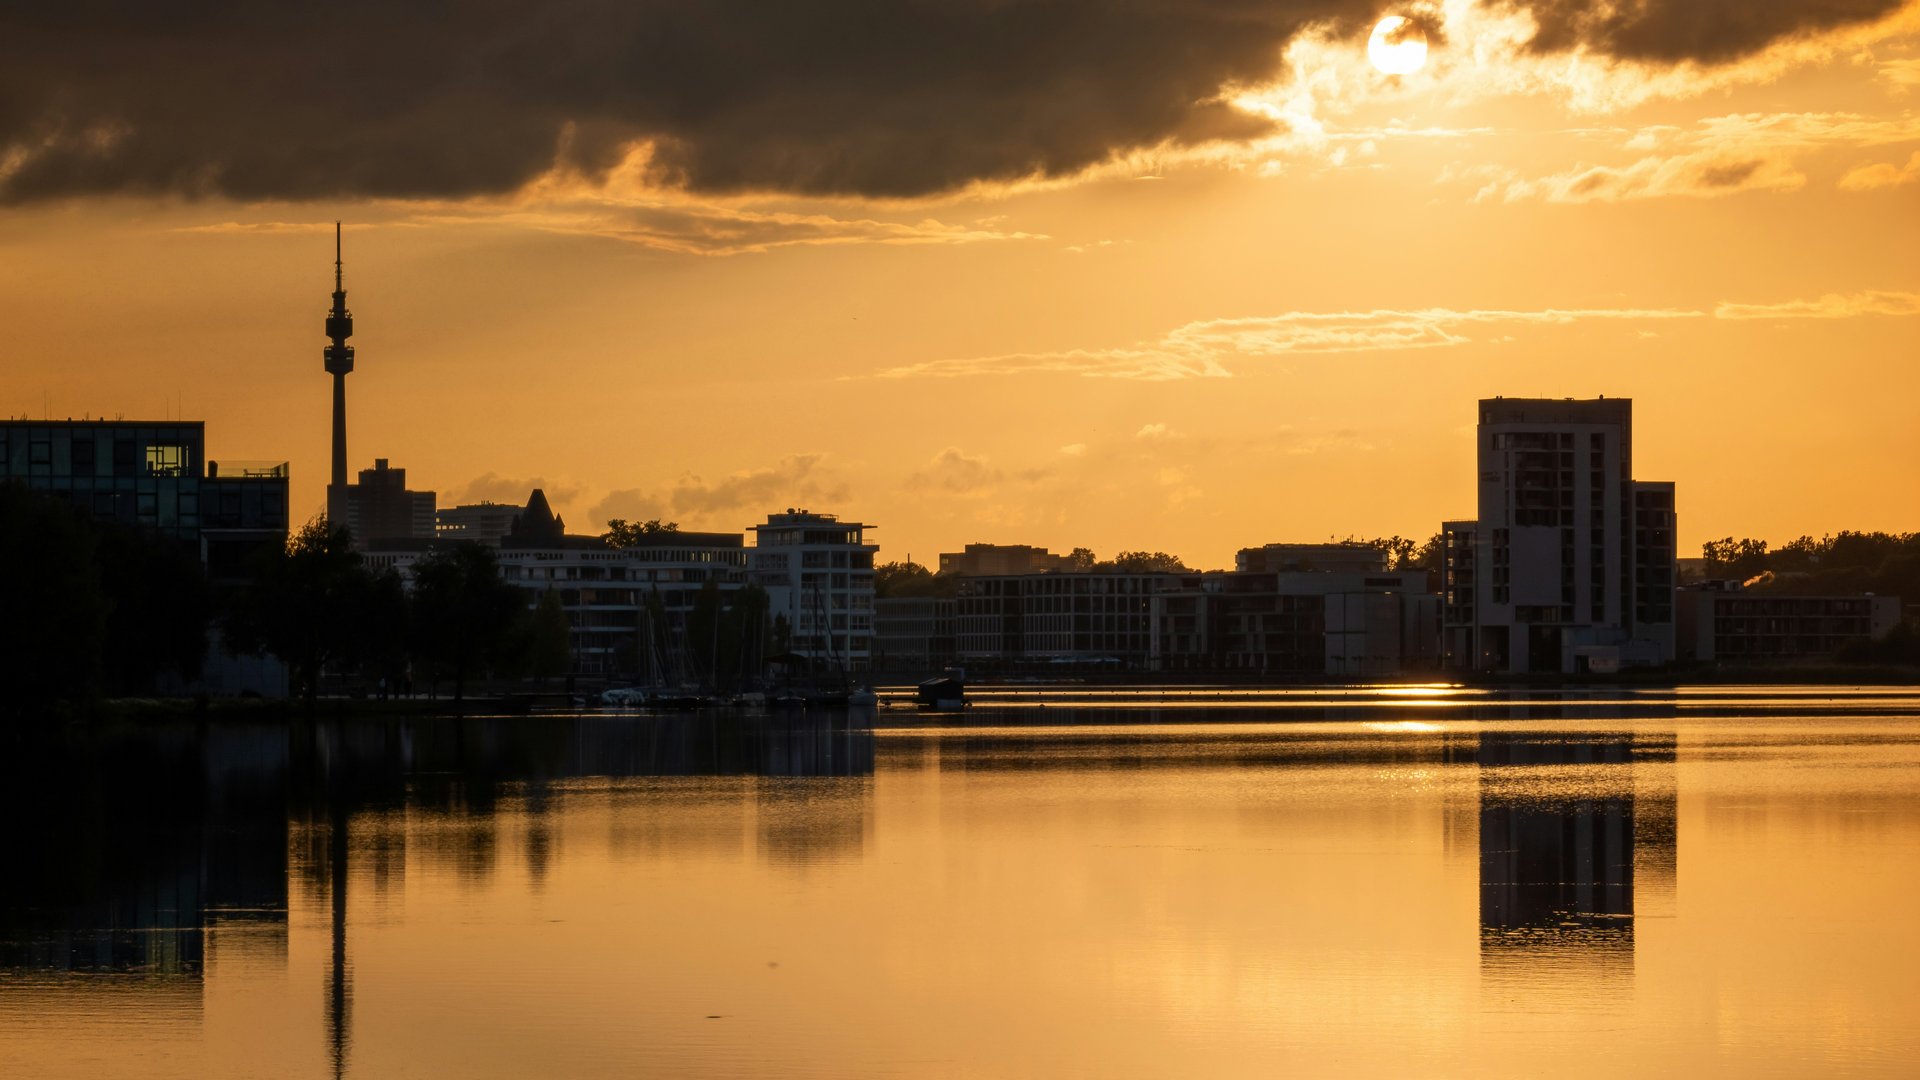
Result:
pixel 1569 566
pixel 818 574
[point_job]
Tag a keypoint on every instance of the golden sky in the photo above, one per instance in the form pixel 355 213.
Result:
pixel 1163 275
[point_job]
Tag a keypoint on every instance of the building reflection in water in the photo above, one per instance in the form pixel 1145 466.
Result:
pixel 1574 830
pixel 127 857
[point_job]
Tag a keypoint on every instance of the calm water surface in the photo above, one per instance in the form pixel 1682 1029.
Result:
pixel 1050 883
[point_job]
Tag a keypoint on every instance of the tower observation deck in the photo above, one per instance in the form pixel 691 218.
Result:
pixel 339 361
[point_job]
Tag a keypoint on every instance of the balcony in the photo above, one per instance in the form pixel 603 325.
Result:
pixel 241 469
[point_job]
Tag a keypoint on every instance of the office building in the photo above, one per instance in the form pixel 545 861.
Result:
pixel 154 475
pixel 483 523
pixel 1298 623
pixel 1333 558
pixel 818 573
pixel 990 560
pixel 1722 623
pixel 914 631
pixel 380 508
pixel 1570 565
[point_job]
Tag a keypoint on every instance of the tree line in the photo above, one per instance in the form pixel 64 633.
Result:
pixel 104 610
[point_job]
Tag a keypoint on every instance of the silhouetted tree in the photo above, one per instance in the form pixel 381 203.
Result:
pixel 158 608
pixel 466 619
pixel 1733 559
pixel 908 579
pixel 1148 562
pixel 622 533
pixel 54 618
pixel 313 604
pixel 552 646
pixel 1082 559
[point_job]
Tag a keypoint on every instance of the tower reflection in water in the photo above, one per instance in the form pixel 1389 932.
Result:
pixel 1577 842
pixel 142 851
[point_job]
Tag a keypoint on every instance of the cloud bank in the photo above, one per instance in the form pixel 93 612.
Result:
pixel 905 98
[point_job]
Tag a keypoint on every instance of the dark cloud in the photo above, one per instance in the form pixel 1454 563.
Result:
pixel 1673 31
pixel 428 98
pixel 444 98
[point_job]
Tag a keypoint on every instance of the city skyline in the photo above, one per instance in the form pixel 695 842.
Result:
pixel 1253 301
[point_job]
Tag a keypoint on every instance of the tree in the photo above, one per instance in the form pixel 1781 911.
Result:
pixel 551 638
pixel 1149 562
pixel 1736 560
pixel 159 607
pixel 910 579
pixel 466 619
pixel 1081 559
pixel 314 604
pixel 622 533
pixel 54 622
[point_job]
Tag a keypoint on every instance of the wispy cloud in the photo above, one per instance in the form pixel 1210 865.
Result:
pixel 1210 348
pixel 1882 174
pixel 798 478
pixel 492 487
pixel 1203 349
pixel 630 211
pixel 1830 306
pixel 1722 155
pixel 955 473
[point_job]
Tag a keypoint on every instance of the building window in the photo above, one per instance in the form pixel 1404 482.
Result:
pixel 166 459
pixel 83 454
pixel 40 452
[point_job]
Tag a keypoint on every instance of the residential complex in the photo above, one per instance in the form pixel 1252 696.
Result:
pixel 818 573
pixel 1721 623
pixel 1569 566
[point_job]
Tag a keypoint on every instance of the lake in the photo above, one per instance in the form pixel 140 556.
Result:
pixel 1055 881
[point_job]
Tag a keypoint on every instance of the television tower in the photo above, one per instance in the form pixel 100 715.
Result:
pixel 339 357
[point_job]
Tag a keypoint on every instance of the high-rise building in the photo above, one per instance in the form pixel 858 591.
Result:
pixel 380 508
pixel 1569 566
pixel 339 361
pixel 818 573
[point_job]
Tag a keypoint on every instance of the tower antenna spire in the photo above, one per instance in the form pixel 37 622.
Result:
pixel 339 361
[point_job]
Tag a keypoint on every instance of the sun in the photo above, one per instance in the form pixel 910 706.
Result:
pixel 1397 46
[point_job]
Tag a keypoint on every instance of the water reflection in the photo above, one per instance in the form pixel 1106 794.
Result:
pixel 124 865
pixel 1566 822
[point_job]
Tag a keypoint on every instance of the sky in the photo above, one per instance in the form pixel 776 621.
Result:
pixel 1145 275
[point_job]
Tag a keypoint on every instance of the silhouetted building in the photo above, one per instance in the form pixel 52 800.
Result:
pixel 1345 623
pixel 988 560
pixel 153 475
pixel 483 523
pixel 1304 623
pixel 1723 623
pixel 1099 618
pixel 380 508
pixel 628 608
pixel 1570 565
pixel 537 525
pixel 1332 558
pixel 818 573
pixel 915 631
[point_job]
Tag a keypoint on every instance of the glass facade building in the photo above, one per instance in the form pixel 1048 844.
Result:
pixel 152 475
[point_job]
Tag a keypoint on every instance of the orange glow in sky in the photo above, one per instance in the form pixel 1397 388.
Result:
pixel 1268 322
